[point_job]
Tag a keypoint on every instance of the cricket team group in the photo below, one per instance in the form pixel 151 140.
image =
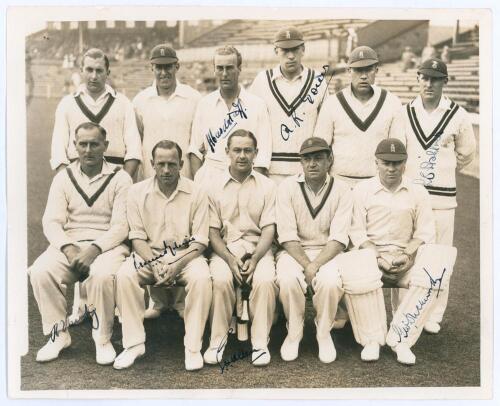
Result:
pixel 281 187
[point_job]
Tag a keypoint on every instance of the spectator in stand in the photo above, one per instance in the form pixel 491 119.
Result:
pixel 446 55
pixel 407 59
pixel 428 52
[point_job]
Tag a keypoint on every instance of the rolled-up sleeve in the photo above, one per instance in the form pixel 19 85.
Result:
pixel 60 137
pixel 200 220
pixel 341 222
pixel 285 215
pixel 131 137
pixel 358 231
pixel 268 215
pixel 264 138
pixel 118 229
pixel 424 225
pixel 56 213
pixel 135 223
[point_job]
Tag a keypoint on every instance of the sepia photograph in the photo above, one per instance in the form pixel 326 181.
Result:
pixel 249 203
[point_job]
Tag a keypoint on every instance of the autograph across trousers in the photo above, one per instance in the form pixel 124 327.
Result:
pixel 50 276
pixel 130 300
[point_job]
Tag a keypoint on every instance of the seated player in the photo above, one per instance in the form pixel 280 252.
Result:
pixel 393 227
pixel 242 227
pixel 313 215
pixel 168 219
pixel 85 223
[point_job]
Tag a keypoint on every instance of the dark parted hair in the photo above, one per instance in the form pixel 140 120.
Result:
pixel 242 133
pixel 89 125
pixel 96 53
pixel 167 144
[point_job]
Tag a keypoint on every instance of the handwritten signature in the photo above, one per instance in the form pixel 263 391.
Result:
pixel 411 318
pixel 62 326
pixel 427 174
pixel 237 356
pixel 227 126
pixel 166 249
pixel 286 131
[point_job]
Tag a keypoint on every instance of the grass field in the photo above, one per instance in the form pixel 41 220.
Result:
pixel 448 359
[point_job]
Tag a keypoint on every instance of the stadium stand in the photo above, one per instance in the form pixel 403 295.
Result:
pixel 132 72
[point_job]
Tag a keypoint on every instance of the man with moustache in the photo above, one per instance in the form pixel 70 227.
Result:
pixel 166 104
pixel 439 139
pixel 168 219
pixel 97 102
pixel 223 111
pixel 393 231
pixel 294 95
pixel 85 224
pixel 358 117
pixel 242 227
pixel 313 213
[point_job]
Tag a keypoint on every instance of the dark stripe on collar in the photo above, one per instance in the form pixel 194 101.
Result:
pixel 427 141
pixel 111 159
pixel 315 211
pixel 92 199
pixel 289 108
pixel 362 125
pixel 95 118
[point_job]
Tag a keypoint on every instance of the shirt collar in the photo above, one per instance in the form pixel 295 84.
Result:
pixel 107 169
pixel 182 186
pixel 107 89
pixel 227 177
pixel 277 73
pixel 180 90
pixel 217 97
pixel 375 96
pixel 444 103
pixel 302 179
pixel 377 185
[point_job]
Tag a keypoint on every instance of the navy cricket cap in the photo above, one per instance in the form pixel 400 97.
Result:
pixel 163 54
pixel 391 149
pixel 289 37
pixel 313 144
pixel 433 67
pixel 362 56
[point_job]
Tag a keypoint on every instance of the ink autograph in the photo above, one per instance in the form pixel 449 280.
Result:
pixel 166 249
pixel 61 326
pixel 286 131
pixel 229 124
pixel 411 318
pixel 237 356
pixel 427 174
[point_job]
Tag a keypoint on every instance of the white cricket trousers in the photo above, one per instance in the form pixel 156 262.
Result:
pixel 50 276
pixel 262 302
pixel 328 291
pixel 130 299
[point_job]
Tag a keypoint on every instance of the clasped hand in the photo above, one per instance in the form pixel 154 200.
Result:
pixel 164 274
pixel 80 260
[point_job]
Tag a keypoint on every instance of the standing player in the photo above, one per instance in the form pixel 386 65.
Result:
pixel 97 102
pixel 165 107
pixel 392 226
pixel 293 94
pixel 168 219
pixel 242 224
pixel 223 111
pixel 358 117
pixel 313 216
pixel 85 223
pixel 439 139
